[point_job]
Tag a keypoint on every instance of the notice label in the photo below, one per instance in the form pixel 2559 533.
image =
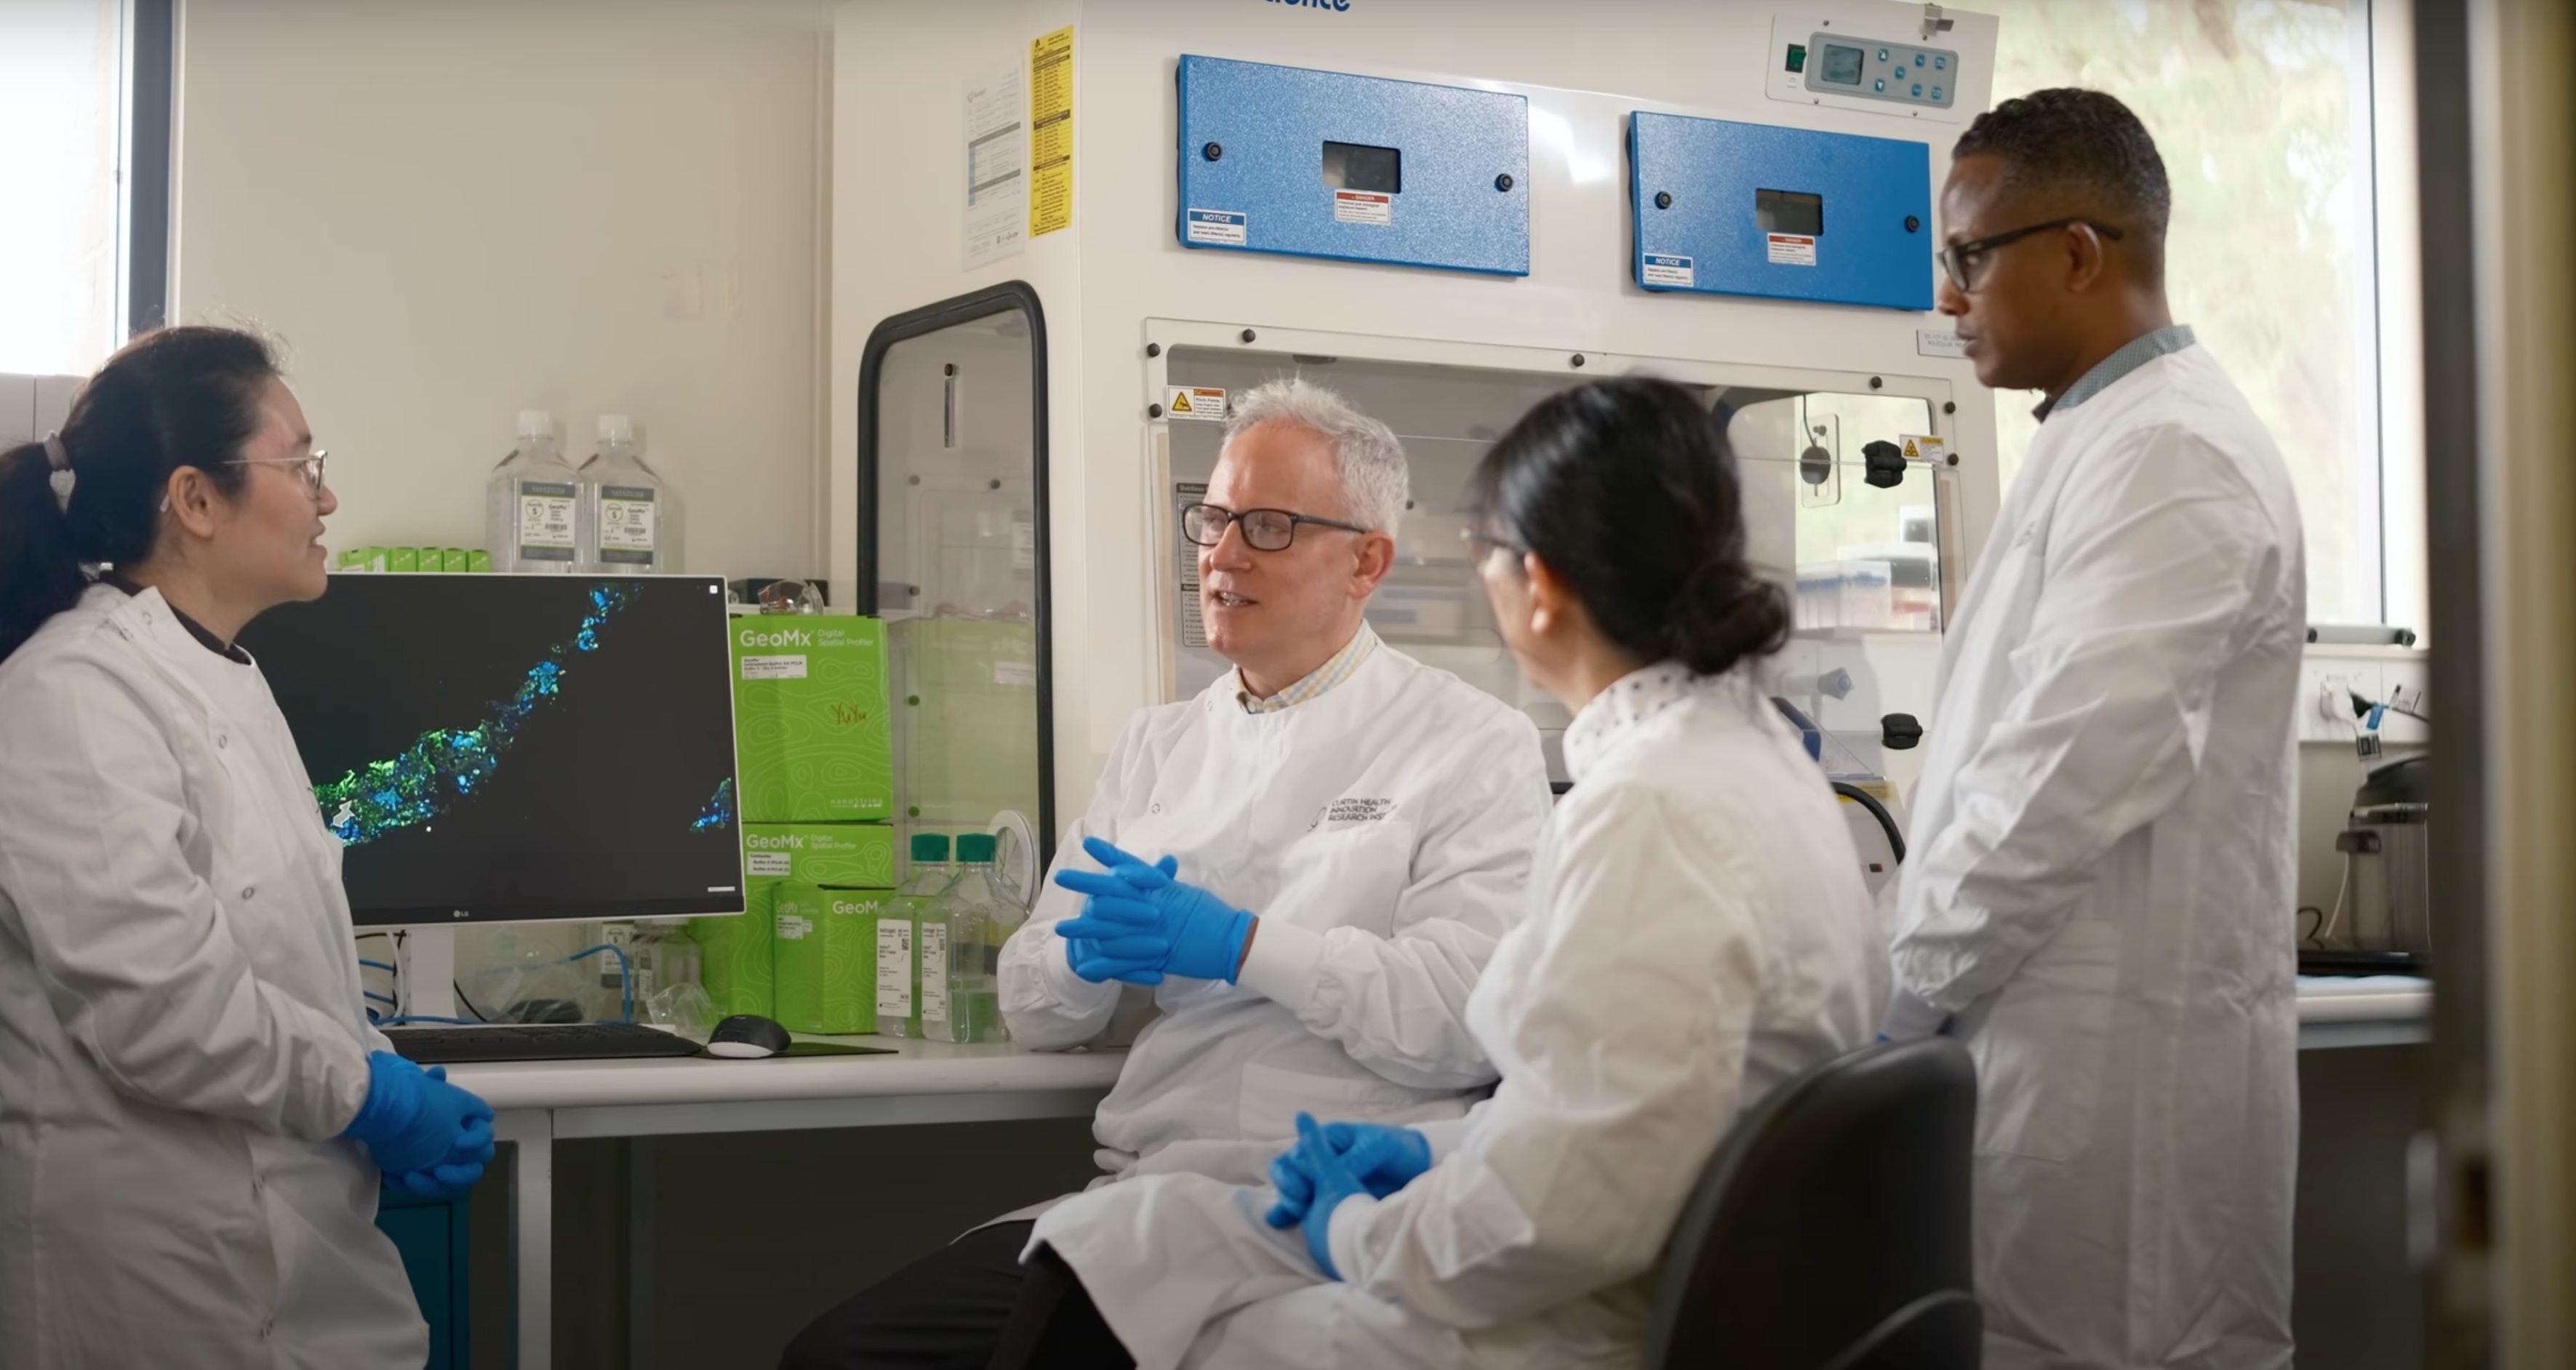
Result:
pixel 1791 249
pixel 894 968
pixel 1220 226
pixel 1925 447
pixel 1659 269
pixel 545 520
pixel 1051 132
pixel 774 667
pixel 626 524
pixel 934 972
pixel 768 863
pixel 1015 673
pixel 1363 207
pixel 1935 342
pixel 1203 402
pixel 792 927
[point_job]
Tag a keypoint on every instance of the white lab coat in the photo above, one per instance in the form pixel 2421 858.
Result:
pixel 2102 880
pixel 181 1034
pixel 1382 832
pixel 1699 933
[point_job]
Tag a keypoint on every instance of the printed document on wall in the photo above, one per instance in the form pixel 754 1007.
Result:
pixel 997 177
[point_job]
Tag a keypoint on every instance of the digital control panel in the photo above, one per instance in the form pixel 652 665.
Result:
pixel 1901 73
pixel 1939 70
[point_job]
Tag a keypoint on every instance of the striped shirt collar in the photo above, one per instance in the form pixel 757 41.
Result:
pixel 2107 372
pixel 1341 666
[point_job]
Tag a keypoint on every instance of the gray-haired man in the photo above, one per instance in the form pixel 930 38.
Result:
pixel 1351 828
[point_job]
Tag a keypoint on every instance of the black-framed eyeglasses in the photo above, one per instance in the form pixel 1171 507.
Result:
pixel 1264 530
pixel 313 467
pixel 1959 259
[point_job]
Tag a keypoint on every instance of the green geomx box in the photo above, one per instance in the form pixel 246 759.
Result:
pixel 734 958
pixel 859 855
pixel 825 956
pixel 811 741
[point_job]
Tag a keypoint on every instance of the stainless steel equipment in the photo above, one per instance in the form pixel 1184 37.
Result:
pixel 2388 889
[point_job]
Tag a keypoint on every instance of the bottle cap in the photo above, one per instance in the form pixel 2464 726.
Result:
pixel 536 423
pixel 975 846
pixel 616 428
pixel 930 846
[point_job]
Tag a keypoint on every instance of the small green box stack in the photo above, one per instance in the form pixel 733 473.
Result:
pixel 387 560
pixel 814 774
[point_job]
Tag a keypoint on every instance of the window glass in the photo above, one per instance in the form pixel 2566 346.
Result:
pixel 61 107
pixel 2260 109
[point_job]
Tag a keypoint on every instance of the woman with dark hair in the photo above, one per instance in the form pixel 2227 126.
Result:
pixel 1698 933
pixel 195 1114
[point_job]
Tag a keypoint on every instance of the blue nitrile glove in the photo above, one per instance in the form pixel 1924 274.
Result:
pixel 1332 1182
pixel 414 1120
pixel 466 1156
pixel 1384 1159
pixel 1129 957
pixel 1134 902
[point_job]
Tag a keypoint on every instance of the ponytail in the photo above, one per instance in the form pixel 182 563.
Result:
pixel 39 575
pixel 174 397
pixel 1723 614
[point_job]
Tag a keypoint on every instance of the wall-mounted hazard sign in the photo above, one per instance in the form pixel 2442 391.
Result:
pixel 1195 402
pixel 1925 447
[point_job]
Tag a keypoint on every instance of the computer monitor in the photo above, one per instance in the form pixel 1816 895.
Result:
pixel 506 748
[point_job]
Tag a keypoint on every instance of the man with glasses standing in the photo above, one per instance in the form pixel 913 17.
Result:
pixel 2104 860
pixel 1302 871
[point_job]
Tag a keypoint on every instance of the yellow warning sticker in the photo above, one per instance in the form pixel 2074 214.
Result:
pixel 1195 402
pixel 1051 132
pixel 1925 447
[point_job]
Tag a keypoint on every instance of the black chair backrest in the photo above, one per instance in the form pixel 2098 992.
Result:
pixel 1830 1231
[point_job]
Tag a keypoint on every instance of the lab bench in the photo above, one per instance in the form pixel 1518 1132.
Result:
pixel 540 1103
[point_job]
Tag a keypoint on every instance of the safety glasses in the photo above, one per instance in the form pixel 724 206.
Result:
pixel 1265 530
pixel 312 466
pixel 1959 261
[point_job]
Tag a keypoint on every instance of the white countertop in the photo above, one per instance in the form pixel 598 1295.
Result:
pixel 916 1068
pixel 2364 999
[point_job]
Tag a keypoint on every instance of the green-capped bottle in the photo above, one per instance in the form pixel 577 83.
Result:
pixel 960 1001
pixel 899 936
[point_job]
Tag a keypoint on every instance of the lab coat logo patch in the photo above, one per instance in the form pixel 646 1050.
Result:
pixel 1343 811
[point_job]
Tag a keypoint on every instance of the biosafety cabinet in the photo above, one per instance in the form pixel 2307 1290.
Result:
pixel 1065 234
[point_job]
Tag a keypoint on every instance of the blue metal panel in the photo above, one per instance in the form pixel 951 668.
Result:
pixel 431 1235
pixel 1463 200
pixel 1876 243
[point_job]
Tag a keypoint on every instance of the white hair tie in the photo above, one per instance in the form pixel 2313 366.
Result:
pixel 61 462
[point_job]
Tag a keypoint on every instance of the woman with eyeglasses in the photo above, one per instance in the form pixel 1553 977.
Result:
pixel 195 1114
pixel 1697 933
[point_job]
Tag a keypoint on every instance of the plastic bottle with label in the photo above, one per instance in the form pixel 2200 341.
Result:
pixel 629 517
pixel 1007 914
pixel 531 503
pixel 899 936
pixel 960 996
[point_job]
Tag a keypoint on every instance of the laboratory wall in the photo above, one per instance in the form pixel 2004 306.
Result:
pixel 452 212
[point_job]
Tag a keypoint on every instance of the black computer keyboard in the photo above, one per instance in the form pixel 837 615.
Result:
pixel 536 1042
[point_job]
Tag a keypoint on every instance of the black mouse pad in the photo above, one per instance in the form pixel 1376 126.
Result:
pixel 810 1049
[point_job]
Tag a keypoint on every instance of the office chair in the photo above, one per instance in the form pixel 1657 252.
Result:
pixel 1830 1230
